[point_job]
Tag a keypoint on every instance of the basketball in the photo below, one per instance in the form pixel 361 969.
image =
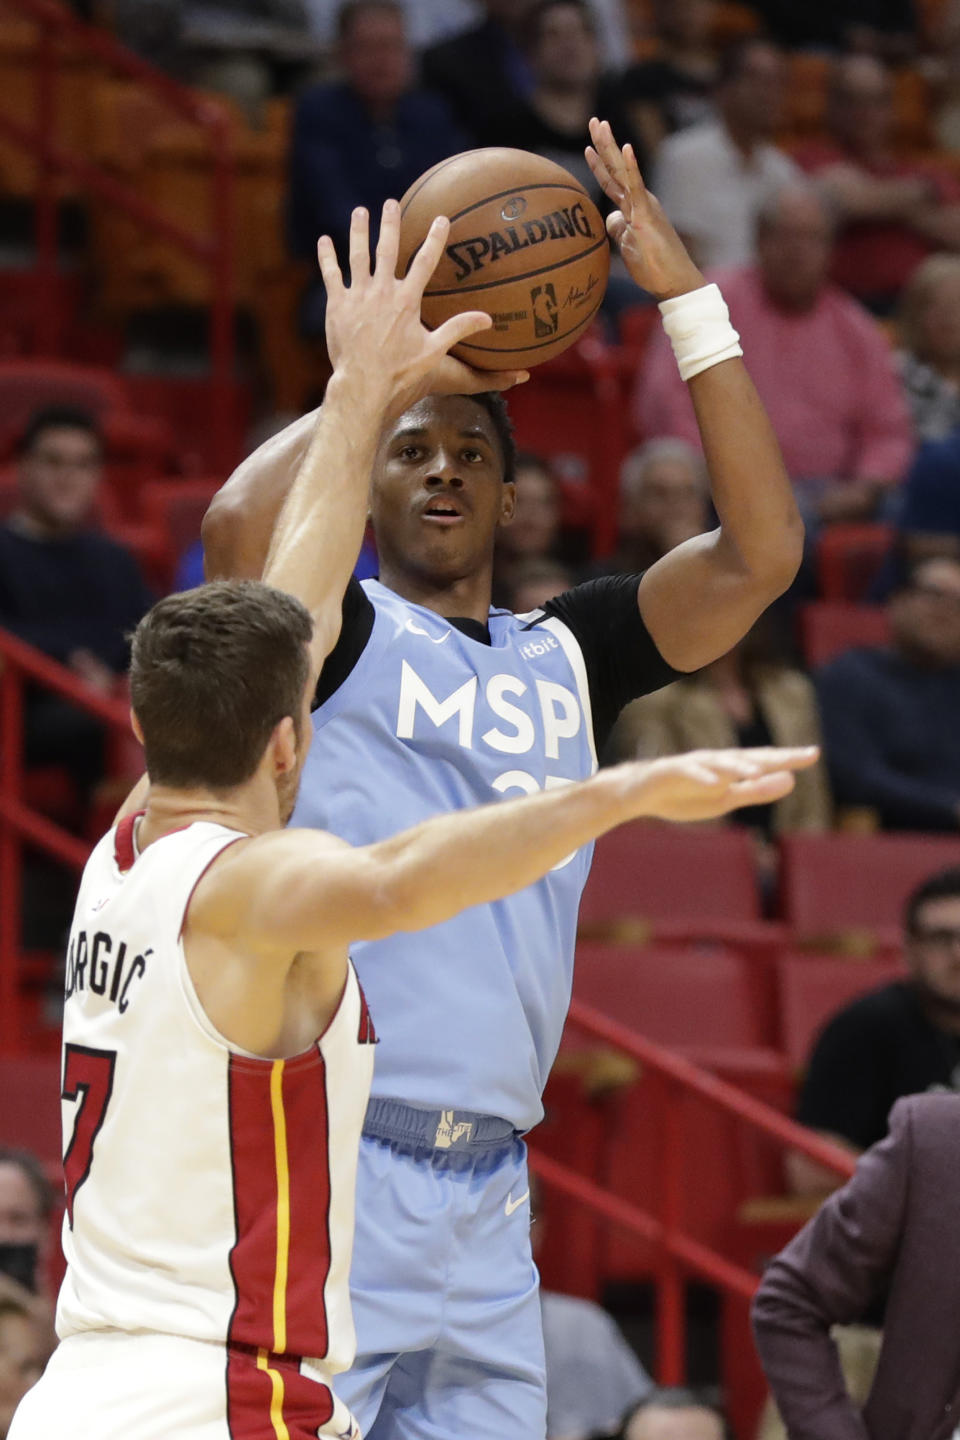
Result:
pixel 526 244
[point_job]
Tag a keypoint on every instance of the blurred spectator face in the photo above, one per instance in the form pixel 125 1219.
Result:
pixel 564 52
pixel 684 22
pixel 861 105
pixel 751 99
pixel 932 950
pixel 376 58
pixel 931 319
pixel 59 476
pixel 22 1221
pixel 507 12
pixel 925 614
pixel 793 249
pixel 23 1354
pixel 657 1422
pixel 536 521
pixel 663 497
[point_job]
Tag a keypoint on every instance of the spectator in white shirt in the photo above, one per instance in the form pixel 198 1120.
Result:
pixel 713 178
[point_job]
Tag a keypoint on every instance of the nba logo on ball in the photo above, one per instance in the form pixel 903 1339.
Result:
pixel 546 317
pixel 526 244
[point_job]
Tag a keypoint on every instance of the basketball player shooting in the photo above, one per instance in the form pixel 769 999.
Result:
pixel 430 702
pixel 217 1045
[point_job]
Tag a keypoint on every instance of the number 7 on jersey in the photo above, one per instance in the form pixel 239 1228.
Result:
pixel 88 1078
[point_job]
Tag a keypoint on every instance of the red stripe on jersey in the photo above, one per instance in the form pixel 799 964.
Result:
pixel 307 1404
pixel 254 1254
pixel 258 1188
pixel 305 1104
pixel 124 851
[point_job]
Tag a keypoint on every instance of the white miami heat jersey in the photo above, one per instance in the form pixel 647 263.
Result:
pixel 210 1192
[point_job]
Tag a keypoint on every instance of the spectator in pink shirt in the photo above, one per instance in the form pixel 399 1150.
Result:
pixel 820 363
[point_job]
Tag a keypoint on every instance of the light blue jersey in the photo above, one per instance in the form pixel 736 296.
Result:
pixel 432 721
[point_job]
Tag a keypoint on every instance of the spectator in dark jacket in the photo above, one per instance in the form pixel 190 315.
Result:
pixel 889 715
pixel 890 1231
pixel 363 139
pixel 483 72
pixel 65 587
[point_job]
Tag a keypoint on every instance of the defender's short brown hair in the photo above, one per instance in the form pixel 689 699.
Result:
pixel 213 671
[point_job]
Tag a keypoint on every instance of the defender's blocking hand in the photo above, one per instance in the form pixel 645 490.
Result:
pixel 705 784
pixel 652 250
pixel 373 325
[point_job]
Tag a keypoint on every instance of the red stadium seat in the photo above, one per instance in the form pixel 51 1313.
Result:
pixel 648 873
pixel 834 884
pixel 831 626
pixel 849 558
pixel 572 413
pixel 176 508
pixel 25 385
pixel 814 987
pixel 30 1112
pixel 689 998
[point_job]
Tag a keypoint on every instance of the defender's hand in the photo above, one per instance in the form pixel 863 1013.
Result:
pixel 652 250
pixel 374 327
pixel 706 784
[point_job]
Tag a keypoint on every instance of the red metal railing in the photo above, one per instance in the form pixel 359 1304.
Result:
pixel 21 665
pixel 680 1254
pixel 215 252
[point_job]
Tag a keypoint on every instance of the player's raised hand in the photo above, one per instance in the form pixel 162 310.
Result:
pixel 706 784
pixel 373 326
pixel 652 250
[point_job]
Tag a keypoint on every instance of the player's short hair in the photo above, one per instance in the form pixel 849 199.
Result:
pixel 496 407
pixel 945 885
pixel 213 671
pixel 57 417
pixel 351 11
pixel 33 1172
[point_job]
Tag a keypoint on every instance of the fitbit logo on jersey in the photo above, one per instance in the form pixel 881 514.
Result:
pixel 97 967
pixel 472 255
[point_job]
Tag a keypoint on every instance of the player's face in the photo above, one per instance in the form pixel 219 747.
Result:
pixel 438 494
pixel 933 951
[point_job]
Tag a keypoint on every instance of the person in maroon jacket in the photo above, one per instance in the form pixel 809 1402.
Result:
pixel 891 1233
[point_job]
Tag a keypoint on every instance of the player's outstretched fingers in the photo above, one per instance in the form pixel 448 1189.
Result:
pixel 783 757
pixel 388 241
pixel 359 247
pixel 427 258
pixel 760 790
pixel 329 266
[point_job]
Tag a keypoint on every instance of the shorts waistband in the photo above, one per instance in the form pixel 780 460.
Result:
pixel 442 1130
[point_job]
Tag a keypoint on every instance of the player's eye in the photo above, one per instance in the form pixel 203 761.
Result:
pixel 473 456
pixel 410 452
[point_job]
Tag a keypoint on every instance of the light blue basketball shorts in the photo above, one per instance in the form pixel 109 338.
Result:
pixel 444 1288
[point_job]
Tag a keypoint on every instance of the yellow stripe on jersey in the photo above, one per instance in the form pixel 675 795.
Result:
pixel 276 1397
pixel 283 1209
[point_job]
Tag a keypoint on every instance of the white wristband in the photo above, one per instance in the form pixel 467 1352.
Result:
pixel 698 325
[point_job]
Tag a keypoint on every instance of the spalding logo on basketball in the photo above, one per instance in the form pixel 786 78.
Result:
pixel 526 244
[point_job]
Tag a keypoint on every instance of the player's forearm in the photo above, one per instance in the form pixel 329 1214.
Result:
pixel 450 863
pixel 761 532
pixel 239 525
pixel 320 528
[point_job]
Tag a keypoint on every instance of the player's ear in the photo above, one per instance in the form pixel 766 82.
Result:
pixel 508 503
pixel 284 745
pixel 135 726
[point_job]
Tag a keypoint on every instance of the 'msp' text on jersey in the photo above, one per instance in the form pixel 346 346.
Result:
pixel 101 968
pixel 556 717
